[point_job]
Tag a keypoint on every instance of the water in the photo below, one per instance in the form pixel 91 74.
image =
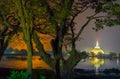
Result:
pixel 20 62
pixel 98 64
pixel 88 63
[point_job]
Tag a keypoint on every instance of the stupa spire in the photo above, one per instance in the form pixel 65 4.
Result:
pixel 97 44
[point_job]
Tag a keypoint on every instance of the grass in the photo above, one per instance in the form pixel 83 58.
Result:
pixel 48 74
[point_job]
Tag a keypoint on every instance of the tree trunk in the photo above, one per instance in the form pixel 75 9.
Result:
pixel 57 68
pixel 2 50
pixel 29 56
pixel 57 49
pixel 73 40
pixel 73 45
pixel 66 72
pixel 27 25
pixel 57 53
pixel 4 45
pixel 1 53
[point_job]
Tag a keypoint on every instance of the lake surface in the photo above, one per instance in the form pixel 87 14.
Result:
pixel 88 63
pixel 98 64
pixel 20 62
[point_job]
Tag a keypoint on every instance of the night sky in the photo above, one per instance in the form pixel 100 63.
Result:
pixel 109 37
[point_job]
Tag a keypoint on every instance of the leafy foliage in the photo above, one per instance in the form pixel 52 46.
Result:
pixel 8 24
pixel 110 18
pixel 19 75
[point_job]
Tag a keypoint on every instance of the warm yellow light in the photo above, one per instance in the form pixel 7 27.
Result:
pixel 17 42
pixel 96 50
pixel 97 62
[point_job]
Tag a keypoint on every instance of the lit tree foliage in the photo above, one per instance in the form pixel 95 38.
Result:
pixel 8 25
pixel 57 18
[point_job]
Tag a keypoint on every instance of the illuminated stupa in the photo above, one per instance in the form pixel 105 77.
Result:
pixel 96 50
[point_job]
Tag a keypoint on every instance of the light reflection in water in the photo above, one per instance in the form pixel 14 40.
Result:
pixel 19 63
pixel 97 63
pixel 118 62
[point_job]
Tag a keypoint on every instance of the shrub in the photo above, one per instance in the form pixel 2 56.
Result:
pixel 19 75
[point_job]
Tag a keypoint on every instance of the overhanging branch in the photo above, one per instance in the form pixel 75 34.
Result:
pixel 42 52
pixel 82 28
pixel 85 25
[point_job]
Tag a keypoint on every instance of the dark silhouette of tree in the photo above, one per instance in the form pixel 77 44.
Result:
pixel 8 26
pixel 57 18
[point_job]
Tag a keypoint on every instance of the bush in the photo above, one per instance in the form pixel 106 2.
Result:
pixel 19 75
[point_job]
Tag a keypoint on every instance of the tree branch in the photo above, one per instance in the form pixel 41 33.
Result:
pixel 80 11
pixel 82 28
pixel 85 25
pixel 42 52
pixel 74 58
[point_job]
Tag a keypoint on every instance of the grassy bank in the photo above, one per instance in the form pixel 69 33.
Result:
pixel 37 73
pixel 48 74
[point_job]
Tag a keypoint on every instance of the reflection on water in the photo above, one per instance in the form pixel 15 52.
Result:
pixel 97 63
pixel 20 62
pixel 89 63
pixel 118 62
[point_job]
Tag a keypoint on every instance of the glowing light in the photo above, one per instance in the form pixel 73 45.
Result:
pixel 96 50
pixel 17 42
pixel 97 63
pixel 13 52
pixel 97 44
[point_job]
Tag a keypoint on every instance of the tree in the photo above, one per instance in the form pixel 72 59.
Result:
pixel 59 16
pixel 59 13
pixel 8 25
pixel 17 19
pixel 59 23
pixel 26 24
pixel 65 21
